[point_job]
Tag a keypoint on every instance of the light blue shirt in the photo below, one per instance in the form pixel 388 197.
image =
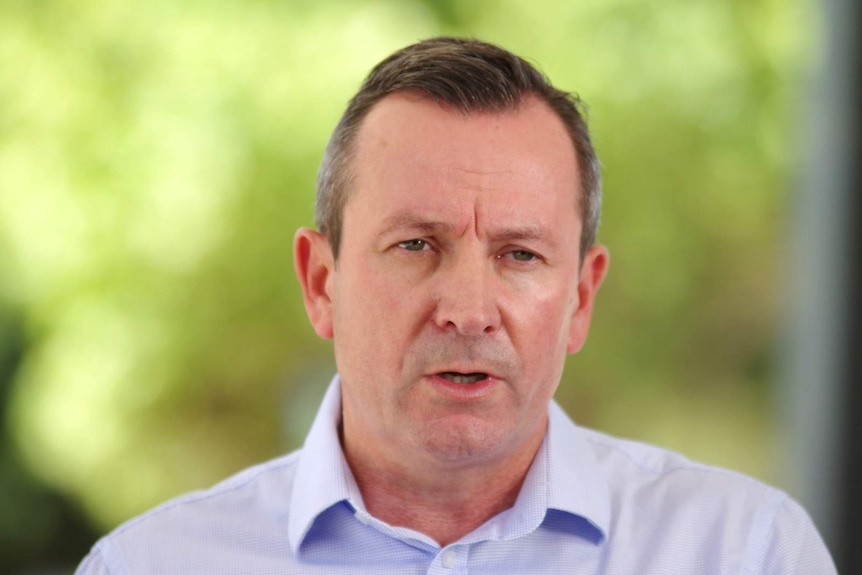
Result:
pixel 590 504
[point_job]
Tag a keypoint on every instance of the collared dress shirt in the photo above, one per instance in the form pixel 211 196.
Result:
pixel 590 504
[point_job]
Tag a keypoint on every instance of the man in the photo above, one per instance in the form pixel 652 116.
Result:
pixel 454 269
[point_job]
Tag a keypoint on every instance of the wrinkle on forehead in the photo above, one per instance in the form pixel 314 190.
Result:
pixel 426 225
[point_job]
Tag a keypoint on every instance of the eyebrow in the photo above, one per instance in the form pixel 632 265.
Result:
pixel 526 232
pixel 415 222
pixel 411 221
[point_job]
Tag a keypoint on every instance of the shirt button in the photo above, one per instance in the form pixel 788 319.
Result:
pixel 449 558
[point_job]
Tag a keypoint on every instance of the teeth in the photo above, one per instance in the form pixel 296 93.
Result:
pixel 463 378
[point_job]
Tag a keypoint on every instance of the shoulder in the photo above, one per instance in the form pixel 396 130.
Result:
pixel 693 508
pixel 262 485
pixel 669 482
pixel 641 463
pixel 251 506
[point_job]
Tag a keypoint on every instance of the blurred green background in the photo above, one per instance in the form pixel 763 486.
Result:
pixel 156 158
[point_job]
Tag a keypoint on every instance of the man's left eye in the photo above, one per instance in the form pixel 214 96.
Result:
pixel 522 255
pixel 413 245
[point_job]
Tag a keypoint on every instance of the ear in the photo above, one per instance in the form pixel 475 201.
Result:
pixel 315 266
pixel 593 270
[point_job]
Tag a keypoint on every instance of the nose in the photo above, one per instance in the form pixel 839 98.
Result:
pixel 467 296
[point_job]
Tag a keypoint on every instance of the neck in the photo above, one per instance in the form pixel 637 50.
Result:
pixel 446 503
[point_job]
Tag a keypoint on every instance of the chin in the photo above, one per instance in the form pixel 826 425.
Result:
pixel 465 440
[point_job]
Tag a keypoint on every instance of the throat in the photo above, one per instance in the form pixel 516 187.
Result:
pixel 445 515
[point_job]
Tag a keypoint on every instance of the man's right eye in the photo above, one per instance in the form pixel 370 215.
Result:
pixel 414 245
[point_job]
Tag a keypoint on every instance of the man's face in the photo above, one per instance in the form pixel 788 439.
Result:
pixel 457 292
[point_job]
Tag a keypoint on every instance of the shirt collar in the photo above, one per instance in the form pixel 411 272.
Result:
pixel 565 476
pixel 576 483
pixel 323 477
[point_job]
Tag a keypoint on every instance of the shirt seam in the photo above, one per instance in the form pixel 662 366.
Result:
pixel 756 552
pixel 686 465
pixel 112 557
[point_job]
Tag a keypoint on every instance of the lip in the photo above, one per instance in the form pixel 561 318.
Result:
pixel 462 391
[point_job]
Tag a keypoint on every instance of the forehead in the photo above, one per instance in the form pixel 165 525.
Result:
pixel 411 150
pixel 408 121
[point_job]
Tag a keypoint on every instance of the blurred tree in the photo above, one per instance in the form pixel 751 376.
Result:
pixel 38 527
pixel 156 158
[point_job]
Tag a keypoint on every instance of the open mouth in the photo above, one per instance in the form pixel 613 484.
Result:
pixel 464 378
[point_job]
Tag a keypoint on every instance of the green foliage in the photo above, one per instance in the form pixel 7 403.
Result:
pixel 156 159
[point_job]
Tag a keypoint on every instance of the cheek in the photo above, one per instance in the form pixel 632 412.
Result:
pixel 540 329
pixel 374 310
